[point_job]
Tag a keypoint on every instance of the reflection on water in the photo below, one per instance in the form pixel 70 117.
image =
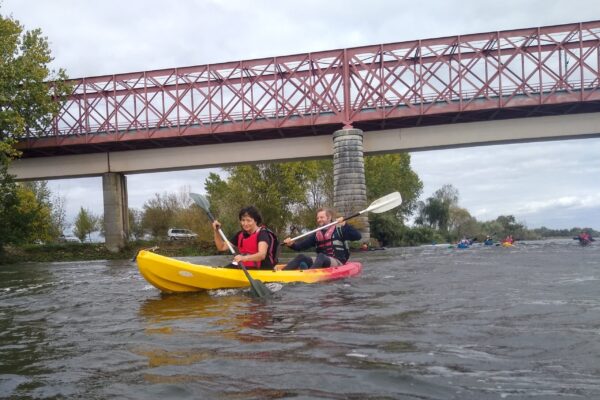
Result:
pixel 420 323
pixel 224 315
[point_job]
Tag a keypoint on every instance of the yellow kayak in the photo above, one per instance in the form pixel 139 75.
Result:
pixel 172 275
pixel 507 244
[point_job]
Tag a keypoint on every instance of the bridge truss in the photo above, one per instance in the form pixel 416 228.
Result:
pixel 516 73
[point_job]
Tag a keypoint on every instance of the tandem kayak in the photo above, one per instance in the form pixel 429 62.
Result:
pixel 172 275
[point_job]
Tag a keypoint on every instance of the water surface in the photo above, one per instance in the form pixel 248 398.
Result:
pixel 419 323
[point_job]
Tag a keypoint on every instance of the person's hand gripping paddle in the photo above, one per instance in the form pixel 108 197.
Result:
pixel 258 288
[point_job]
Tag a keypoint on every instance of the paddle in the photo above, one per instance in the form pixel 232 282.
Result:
pixel 380 205
pixel 258 288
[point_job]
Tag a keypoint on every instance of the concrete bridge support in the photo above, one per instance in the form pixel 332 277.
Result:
pixel 350 190
pixel 116 218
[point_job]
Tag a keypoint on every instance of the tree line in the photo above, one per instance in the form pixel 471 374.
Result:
pixel 442 220
pixel 287 194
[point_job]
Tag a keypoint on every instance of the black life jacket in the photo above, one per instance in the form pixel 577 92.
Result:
pixel 331 244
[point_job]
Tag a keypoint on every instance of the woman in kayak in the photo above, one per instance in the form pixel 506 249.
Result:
pixel 256 244
pixel 584 238
pixel 330 243
pixel 509 239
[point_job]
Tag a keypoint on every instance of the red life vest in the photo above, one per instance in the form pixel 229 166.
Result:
pixel 330 246
pixel 249 245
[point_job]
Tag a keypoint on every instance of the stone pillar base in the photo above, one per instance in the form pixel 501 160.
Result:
pixel 350 190
pixel 116 214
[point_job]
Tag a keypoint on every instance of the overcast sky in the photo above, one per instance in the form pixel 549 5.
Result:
pixel 555 184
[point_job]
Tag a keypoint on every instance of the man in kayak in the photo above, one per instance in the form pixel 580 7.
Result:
pixel 257 245
pixel 330 243
pixel 464 243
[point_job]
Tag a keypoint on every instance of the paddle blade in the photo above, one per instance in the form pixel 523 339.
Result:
pixel 203 203
pixel 200 201
pixel 385 203
pixel 258 288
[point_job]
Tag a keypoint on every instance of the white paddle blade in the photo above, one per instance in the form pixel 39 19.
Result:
pixel 200 200
pixel 385 203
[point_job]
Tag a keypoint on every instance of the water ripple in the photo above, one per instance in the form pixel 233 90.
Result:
pixel 420 323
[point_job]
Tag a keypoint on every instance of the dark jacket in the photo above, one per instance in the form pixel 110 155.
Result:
pixel 345 233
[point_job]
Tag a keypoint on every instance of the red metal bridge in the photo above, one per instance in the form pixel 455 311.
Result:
pixel 509 74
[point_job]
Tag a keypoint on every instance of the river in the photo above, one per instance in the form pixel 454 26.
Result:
pixel 427 322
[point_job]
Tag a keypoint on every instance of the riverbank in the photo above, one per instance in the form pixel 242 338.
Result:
pixel 58 252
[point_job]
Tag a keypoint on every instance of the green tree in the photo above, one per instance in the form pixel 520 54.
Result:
pixel 288 194
pixel 9 202
pixel 170 210
pixel 85 224
pixel 26 214
pixel 35 214
pixel 136 229
pixel 389 173
pixel 462 224
pixel 435 211
pixel 319 179
pixel 50 220
pixel 28 103
pixel 275 189
pixel 59 215
pixel 387 228
pixel 510 226
pixel 385 174
pixel 195 219
pixel 159 213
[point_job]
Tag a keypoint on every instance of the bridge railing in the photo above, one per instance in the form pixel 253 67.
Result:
pixel 515 68
pixel 387 103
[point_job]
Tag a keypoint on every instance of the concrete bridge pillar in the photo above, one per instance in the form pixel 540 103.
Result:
pixel 350 190
pixel 116 218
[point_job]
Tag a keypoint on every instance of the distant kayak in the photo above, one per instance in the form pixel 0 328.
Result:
pixel 584 239
pixel 462 246
pixel 584 242
pixel 371 249
pixel 488 242
pixel 506 244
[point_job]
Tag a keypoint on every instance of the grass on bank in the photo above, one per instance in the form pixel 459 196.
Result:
pixel 57 252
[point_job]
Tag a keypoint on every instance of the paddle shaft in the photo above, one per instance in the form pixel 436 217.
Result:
pixel 328 225
pixel 258 288
pixel 227 242
pixel 382 204
pixel 253 283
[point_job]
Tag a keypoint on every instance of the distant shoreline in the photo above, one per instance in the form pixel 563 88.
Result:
pixel 61 252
